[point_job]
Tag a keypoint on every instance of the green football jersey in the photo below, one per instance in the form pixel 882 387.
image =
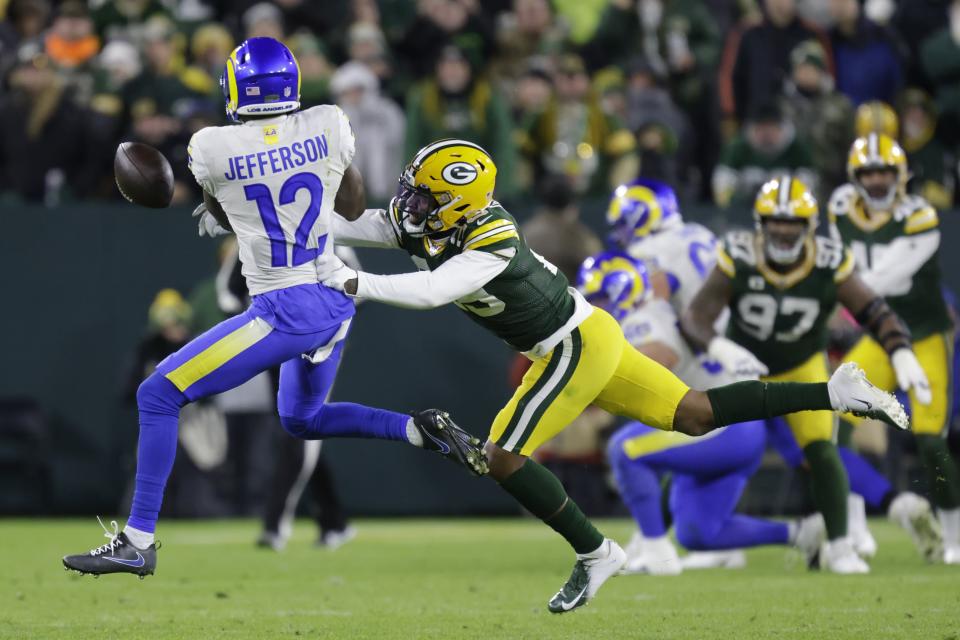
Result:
pixel 918 300
pixel 782 317
pixel 526 303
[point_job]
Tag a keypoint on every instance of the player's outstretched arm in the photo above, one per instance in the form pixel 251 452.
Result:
pixel 351 199
pixel 371 229
pixel 875 315
pixel 454 279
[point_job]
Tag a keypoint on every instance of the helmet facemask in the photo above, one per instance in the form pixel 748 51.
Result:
pixel 420 209
pixel 784 238
pixel 881 187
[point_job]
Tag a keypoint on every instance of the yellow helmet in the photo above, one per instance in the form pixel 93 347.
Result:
pixel 785 198
pixel 878 151
pixel 169 308
pixel 877 117
pixel 445 182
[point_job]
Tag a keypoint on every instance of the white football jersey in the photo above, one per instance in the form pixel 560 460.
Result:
pixel 656 321
pixel 276 179
pixel 687 253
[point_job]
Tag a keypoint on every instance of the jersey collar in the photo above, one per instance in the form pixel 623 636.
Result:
pixel 862 221
pixel 259 122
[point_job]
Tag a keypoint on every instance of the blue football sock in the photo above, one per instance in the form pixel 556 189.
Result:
pixel 865 479
pixel 159 403
pixel 348 420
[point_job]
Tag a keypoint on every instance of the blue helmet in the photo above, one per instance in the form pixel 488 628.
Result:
pixel 261 77
pixel 615 282
pixel 640 208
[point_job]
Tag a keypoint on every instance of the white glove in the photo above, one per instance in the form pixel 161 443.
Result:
pixel 910 375
pixel 735 358
pixel 207 224
pixel 333 273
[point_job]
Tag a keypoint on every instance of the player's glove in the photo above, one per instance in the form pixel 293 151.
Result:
pixel 910 374
pixel 333 273
pixel 735 358
pixel 207 224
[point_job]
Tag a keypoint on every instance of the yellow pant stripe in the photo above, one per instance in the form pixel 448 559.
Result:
pixel 219 353
pixel 655 442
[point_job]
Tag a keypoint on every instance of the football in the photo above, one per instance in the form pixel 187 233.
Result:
pixel 143 175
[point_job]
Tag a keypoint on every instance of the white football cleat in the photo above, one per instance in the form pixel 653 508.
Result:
pixel 811 532
pixel 950 525
pixel 657 558
pixel 333 540
pixel 271 540
pixel 589 573
pixel 838 556
pixel 733 559
pixel 863 541
pixel 850 391
pixel 914 514
pixel 635 547
pixel 951 555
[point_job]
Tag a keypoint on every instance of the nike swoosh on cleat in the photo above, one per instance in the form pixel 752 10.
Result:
pixel 567 606
pixel 139 562
pixel 869 405
pixel 444 447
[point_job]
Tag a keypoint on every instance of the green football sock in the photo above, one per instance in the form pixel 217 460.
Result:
pixel 830 485
pixel 755 400
pixel 845 434
pixel 541 493
pixel 942 473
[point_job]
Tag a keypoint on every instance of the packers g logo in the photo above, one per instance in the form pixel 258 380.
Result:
pixel 459 173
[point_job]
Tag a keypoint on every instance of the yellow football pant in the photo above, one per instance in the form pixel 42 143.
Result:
pixel 809 426
pixel 935 353
pixel 593 365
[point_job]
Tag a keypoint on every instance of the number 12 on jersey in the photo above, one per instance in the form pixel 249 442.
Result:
pixel 260 193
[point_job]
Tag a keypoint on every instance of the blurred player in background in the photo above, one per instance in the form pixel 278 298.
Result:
pixel 274 179
pixel 781 284
pixel 471 254
pixel 645 221
pixel 896 240
pixel 708 473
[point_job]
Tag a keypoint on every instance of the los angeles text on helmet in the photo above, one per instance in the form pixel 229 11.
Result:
pixel 286 158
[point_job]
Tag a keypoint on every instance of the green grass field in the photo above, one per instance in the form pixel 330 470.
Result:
pixel 447 579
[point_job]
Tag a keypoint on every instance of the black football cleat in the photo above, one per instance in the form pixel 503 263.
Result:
pixel 117 556
pixel 442 435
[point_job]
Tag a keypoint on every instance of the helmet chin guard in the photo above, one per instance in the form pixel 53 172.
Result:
pixel 782 255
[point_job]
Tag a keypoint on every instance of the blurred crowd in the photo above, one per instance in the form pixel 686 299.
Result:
pixel 709 95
